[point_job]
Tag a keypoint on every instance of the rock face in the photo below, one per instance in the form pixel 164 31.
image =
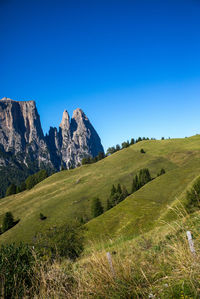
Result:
pixel 21 134
pixel 75 140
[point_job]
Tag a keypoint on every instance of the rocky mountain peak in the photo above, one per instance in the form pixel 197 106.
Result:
pixel 79 114
pixel 65 123
pixel 22 136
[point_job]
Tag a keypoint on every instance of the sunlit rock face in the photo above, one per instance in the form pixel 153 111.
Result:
pixel 21 134
pixel 75 139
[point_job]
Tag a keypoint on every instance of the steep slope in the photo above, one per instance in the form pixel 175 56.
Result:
pixel 69 194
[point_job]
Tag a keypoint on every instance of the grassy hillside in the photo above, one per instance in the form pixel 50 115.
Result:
pixel 68 194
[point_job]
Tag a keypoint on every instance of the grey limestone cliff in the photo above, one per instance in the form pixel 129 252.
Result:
pixel 75 139
pixel 21 134
pixel 21 131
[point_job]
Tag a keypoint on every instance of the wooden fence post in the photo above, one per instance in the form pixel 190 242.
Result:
pixel 190 241
pixel 110 263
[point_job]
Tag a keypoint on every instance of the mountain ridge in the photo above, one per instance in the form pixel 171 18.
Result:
pixel 22 136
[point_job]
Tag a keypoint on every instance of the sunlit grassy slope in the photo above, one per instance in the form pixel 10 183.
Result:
pixel 68 194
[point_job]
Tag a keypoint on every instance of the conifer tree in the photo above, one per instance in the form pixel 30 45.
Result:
pixel 118 147
pixel 162 171
pixel 144 176
pixel 135 184
pixel 11 190
pixel 100 156
pixel 132 141
pixel 113 190
pixel 8 221
pixel 108 204
pixel 124 192
pixel 119 189
pixel 97 208
pixel 30 182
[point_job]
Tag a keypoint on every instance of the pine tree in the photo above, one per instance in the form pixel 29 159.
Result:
pixel 113 190
pixel 132 141
pixel 41 175
pixel 162 171
pixel 119 189
pixel 100 156
pixel 110 150
pixel 108 204
pixel 135 184
pixel 144 176
pixel 30 182
pixel 11 190
pixel 124 192
pixel 8 221
pixel 115 199
pixel 97 208
pixel 118 147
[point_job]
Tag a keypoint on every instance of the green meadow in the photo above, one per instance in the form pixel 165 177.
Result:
pixel 68 194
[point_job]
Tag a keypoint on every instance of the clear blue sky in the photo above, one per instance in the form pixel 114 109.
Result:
pixel 132 66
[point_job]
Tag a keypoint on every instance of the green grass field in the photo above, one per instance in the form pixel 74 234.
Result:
pixel 68 194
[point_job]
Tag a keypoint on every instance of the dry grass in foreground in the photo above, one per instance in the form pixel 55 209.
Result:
pixel 142 269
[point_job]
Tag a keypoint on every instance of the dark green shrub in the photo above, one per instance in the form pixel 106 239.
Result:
pixel 162 171
pixel 144 176
pixel 11 190
pixel 8 222
pixel 36 178
pixel 42 217
pixel 16 270
pixel 86 160
pixel 64 241
pixel 142 151
pixel 41 175
pixel 30 182
pixel 97 208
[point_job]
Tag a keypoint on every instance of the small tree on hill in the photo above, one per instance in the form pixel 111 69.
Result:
pixel 144 176
pixel 125 144
pixel 11 190
pixel 97 208
pixel 41 175
pixel 113 190
pixel 21 187
pixel 119 189
pixel 124 192
pixel 118 147
pixel 162 171
pixel 100 156
pixel 135 184
pixel 142 151
pixel 110 151
pixel 30 182
pixel 8 222
pixel 108 204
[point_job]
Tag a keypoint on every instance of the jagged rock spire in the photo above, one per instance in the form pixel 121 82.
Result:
pixel 21 131
pixel 65 123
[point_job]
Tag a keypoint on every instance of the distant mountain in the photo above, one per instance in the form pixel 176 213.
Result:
pixel 24 149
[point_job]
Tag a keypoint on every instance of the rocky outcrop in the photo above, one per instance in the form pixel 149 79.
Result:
pixel 21 134
pixel 75 139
